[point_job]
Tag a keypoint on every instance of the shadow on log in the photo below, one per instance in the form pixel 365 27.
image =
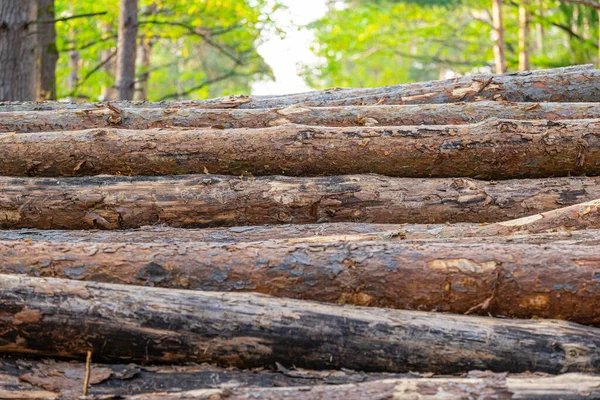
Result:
pixel 210 201
pixel 493 149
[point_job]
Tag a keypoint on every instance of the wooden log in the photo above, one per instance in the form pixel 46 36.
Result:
pixel 571 84
pixel 553 280
pixel 65 318
pixel 489 386
pixel 495 149
pixel 211 201
pixel 584 217
pixel 50 379
pixel 65 379
pixel 181 116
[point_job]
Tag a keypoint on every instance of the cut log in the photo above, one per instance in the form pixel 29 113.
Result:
pixel 489 386
pixel 495 149
pixel 65 379
pixel 584 217
pixel 211 201
pixel 571 84
pixel 554 280
pixel 26 379
pixel 65 318
pixel 182 116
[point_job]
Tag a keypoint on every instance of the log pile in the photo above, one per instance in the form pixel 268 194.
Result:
pixel 429 240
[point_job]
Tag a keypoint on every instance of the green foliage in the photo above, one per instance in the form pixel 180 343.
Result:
pixel 194 41
pixel 382 42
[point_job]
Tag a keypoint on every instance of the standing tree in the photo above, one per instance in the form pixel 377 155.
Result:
pixel 498 32
pixel 48 53
pixel 17 50
pixel 523 36
pixel 126 49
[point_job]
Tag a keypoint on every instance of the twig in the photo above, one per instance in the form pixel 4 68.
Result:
pixel 51 21
pixel 200 86
pixel 88 370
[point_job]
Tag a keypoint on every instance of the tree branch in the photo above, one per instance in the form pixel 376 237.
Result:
pixel 193 31
pixel 93 71
pixel 51 21
pixel 90 44
pixel 200 86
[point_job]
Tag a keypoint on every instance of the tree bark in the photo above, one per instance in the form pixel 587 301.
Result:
pixel 126 49
pixel 570 84
pixel 20 378
pixel 55 317
pixel 498 36
pixel 73 79
pixel 144 52
pixel 48 53
pixel 553 280
pixel 182 116
pixel 18 50
pixel 493 149
pixel 49 379
pixel 523 36
pixel 212 201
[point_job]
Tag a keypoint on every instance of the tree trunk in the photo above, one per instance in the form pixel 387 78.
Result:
pixel 182 116
pixel 493 149
pixel 498 36
pixel 56 317
pixel 126 49
pixel 570 84
pixel 48 53
pixel 552 280
pixel 18 50
pixel 523 36
pixel 27 378
pixel 73 79
pixel 144 52
pixel 210 201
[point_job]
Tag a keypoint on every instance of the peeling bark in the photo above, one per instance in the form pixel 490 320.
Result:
pixel 64 318
pixel 571 84
pixel 182 116
pixel 495 149
pixel 553 280
pixel 211 201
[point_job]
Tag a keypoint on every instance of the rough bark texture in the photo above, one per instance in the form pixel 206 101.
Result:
pixel 182 116
pixel 559 281
pixel 495 149
pixel 66 378
pixel 205 201
pixel 17 50
pixel 498 35
pixel 64 318
pixel 570 84
pixel 126 49
pixel 48 53
pixel 49 379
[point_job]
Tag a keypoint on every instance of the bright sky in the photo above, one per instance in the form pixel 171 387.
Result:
pixel 284 55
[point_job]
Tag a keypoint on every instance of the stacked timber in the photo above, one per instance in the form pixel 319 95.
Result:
pixel 425 240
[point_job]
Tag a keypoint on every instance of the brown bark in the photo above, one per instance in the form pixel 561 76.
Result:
pixel 570 84
pixel 498 36
pixel 552 280
pixel 49 379
pixel 144 52
pixel 48 53
pixel 494 149
pixel 430 114
pixel 205 201
pixel 73 79
pixel 126 49
pixel 64 318
pixel 18 50
pixel 523 36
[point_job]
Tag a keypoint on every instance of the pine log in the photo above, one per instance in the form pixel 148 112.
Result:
pixel 488 386
pixel 64 318
pixel 50 379
pixel 495 149
pixel 65 379
pixel 211 201
pixel 181 116
pixel 570 84
pixel 553 280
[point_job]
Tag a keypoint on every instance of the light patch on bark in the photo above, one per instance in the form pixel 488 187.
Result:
pixel 463 265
